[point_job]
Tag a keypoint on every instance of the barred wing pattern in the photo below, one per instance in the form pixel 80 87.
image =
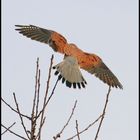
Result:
pixel 54 39
pixel 104 73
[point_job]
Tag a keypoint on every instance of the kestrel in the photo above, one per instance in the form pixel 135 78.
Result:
pixel 74 58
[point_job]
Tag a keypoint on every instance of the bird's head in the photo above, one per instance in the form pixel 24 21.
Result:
pixel 73 45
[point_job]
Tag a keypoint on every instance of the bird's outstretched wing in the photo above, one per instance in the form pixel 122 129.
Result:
pixel 101 71
pixel 54 39
pixel 70 73
pixel 69 68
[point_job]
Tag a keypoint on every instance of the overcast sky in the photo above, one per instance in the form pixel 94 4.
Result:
pixel 108 28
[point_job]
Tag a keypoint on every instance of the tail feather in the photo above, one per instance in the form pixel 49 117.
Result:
pixel 69 70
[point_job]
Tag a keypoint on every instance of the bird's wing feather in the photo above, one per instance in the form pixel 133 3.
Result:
pixel 100 70
pixel 54 39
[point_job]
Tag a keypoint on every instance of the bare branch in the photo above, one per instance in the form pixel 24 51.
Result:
pixel 8 128
pixel 20 115
pixel 85 129
pixel 47 88
pixel 100 117
pixel 59 134
pixel 103 114
pixel 40 127
pixel 37 105
pixel 36 86
pixel 14 109
pixel 45 98
pixel 14 132
pixel 39 114
pixel 51 93
pixel 77 130
pixel 46 105
pixel 36 99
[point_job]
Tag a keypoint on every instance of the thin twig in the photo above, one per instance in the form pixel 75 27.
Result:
pixel 14 132
pixel 40 127
pixel 20 116
pixel 49 97
pixel 47 88
pixel 103 114
pixel 59 134
pixel 51 93
pixel 36 84
pixel 8 128
pixel 85 129
pixel 47 103
pixel 35 107
pixel 14 109
pixel 45 98
pixel 77 130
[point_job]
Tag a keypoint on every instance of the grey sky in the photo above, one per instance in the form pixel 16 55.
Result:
pixel 108 28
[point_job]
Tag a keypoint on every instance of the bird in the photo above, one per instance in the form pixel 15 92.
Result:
pixel 74 58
